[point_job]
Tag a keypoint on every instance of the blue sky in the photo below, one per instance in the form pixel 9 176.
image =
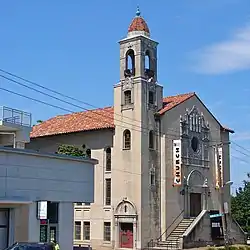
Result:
pixel 71 46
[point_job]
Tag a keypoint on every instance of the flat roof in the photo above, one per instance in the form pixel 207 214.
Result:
pixel 48 155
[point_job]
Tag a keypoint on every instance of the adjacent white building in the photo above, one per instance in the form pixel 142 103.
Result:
pixel 38 190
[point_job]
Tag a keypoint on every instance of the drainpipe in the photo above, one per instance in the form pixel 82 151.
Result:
pixel 14 137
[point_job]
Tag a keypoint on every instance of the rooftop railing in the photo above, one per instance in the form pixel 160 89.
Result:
pixel 15 116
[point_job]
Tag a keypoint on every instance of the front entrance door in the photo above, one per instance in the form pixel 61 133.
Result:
pixel 195 204
pixel 126 235
pixel 3 228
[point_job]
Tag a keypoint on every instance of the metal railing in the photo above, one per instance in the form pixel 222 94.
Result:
pixel 15 116
pixel 154 242
pixel 166 231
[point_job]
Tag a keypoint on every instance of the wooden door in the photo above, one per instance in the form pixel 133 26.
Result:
pixel 195 204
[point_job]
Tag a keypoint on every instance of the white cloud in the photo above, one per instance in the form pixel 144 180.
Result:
pixel 226 56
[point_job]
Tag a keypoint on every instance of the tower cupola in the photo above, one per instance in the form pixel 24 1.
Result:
pixel 138 26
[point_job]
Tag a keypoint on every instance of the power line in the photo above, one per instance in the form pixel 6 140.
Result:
pixel 36 100
pixel 59 93
pixel 67 110
pixel 64 101
pixel 93 118
pixel 241 146
pixel 59 99
pixel 241 152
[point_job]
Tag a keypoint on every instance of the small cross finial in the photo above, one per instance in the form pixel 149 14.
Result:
pixel 138 13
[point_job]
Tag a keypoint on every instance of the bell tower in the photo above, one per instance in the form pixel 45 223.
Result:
pixel 137 97
pixel 138 63
pixel 138 53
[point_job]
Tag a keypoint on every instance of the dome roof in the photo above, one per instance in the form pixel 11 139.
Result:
pixel 138 26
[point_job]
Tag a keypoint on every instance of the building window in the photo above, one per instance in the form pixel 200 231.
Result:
pixel 78 230
pixel 108 159
pixel 86 230
pixel 107 231
pixel 127 97
pixel 195 144
pixel 151 97
pixel 151 139
pixel 127 139
pixel 152 177
pixel 79 204
pixel 108 192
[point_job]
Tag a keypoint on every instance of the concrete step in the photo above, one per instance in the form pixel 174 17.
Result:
pixel 178 229
pixel 175 239
pixel 177 233
pixel 185 224
pixel 165 248
pixel 169 244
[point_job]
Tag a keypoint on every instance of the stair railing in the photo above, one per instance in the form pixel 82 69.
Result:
pixel 165 232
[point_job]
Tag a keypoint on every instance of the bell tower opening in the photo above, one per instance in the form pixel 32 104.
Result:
pixel 130 63
pixel 148 64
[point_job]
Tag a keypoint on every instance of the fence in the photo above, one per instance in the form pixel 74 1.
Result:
pixel 15 116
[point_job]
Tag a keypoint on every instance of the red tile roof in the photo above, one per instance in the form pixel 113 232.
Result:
pixel 102 118
pixel 172 101
pixel 138 24
pixel 76 122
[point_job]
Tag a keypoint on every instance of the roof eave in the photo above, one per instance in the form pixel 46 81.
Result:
pixel 224 129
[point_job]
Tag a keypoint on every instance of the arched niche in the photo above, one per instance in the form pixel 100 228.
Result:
pixel 196 179
pixel 125 208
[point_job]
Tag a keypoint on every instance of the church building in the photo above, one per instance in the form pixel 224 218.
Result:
pixel 164 162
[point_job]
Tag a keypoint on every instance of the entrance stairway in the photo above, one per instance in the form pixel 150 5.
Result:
pixel 173 239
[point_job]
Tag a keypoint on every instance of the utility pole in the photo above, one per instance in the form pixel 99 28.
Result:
pixel 221 190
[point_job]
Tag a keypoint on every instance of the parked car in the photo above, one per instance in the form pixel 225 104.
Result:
pixel 30 246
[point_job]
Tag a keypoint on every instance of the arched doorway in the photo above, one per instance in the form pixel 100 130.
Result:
pixel 196 193
pixel 125 225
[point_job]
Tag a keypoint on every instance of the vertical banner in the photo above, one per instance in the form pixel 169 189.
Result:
pixel 217 175
pixel 219 180
pixel 177 162
pixel 220 167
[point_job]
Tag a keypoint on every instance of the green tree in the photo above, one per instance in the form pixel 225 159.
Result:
pixel 71 150
pixel 241 205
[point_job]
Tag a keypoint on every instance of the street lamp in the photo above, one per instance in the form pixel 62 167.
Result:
pixel 224 219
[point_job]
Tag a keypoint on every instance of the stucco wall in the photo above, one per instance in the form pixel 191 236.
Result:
pixel 35 176
pixel 171 127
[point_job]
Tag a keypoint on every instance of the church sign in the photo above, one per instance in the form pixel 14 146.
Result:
pixel 219 168
pixel 220 162
pixel 177 162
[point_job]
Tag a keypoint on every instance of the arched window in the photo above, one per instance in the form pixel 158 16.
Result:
pixel 88 153
pixel 151 139
pixel 108 159
pixel 126 139
pixel 127 97
pixel 130 63
pixel 147 60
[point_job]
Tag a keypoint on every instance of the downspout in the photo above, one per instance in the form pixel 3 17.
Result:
pixel 14 137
